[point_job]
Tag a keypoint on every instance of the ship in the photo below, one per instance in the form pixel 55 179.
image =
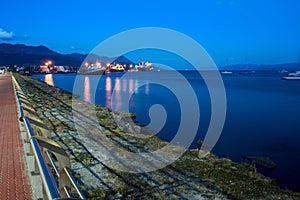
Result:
pixel 115 68
pixel 226 72
pixel 292 76
pixel 141 66
pixel 92 70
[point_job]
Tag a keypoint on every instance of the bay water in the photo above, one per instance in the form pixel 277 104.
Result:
pixel 262 113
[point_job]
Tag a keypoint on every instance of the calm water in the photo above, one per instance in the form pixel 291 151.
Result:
pixel 263 112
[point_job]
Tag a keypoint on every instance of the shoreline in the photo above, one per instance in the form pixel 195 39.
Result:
pixel 216 177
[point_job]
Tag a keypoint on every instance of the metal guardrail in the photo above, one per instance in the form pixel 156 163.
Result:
pixel 59 184
pixel 48 181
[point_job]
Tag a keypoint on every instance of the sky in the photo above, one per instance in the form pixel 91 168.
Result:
pixel 231 31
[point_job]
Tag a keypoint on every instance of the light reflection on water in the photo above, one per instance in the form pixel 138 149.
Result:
pixel 116 91
pixel 87 90
pixel 108 88
pixel 124 88
pixel 131 86
pixel 49 79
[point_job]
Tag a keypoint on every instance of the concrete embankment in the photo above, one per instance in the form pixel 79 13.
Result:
pixel 189 177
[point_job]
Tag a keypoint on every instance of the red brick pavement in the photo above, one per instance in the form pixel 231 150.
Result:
pixel 14 184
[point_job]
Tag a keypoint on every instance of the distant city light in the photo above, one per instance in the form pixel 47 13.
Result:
pixel 49 62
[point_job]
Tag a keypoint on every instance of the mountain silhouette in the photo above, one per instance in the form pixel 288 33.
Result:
pixel 20 54
pixel 23 55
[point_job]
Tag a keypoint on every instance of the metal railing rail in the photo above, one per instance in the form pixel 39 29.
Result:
pixel 48 181
pixel 43 149
pixel 73 182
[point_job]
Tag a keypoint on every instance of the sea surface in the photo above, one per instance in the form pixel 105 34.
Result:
pixel 262 118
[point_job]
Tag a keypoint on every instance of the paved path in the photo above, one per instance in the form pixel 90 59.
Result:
pixel 14 184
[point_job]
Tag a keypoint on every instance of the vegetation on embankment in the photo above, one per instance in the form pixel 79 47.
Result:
pixel 190 177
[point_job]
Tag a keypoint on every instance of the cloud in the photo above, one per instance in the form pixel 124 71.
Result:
pixel 74 48
pixel 4 35
pixel 77 49
pixel 23 37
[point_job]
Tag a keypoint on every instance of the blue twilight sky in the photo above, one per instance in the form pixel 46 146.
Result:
pixel 232 31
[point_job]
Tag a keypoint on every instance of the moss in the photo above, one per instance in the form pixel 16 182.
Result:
pixel 118 130
pixel 96 194
pixel 236 180
pixel 85 158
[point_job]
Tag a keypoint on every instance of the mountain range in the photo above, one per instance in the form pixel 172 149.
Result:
pixel 256 67
pixel 20 54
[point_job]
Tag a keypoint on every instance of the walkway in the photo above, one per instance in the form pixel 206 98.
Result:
pixel 14 184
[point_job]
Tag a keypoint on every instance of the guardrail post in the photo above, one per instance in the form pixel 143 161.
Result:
pixel 51 148
pixel 63 180
pixel 64 183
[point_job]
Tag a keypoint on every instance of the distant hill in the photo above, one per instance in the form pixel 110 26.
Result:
pixel 104 59
pixel 19 54
pixel 23 49
pixel 256 67
pixel 76 56
pixel 123 60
